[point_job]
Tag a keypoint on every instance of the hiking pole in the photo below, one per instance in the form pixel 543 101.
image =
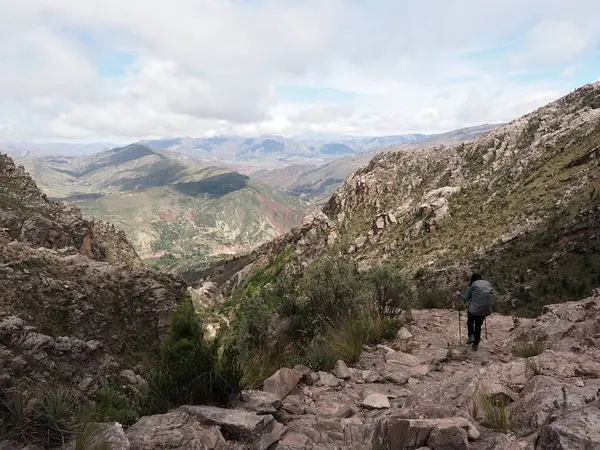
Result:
pixel 485 325
pixel 459 329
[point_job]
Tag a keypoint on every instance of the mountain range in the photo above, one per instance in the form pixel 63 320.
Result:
pixel 317 184
pixel 179 206
pixel 273 151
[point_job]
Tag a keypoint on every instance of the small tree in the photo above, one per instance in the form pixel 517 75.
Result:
pixel 391 293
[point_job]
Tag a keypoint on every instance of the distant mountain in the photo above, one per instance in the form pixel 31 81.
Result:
pixel 272 151
pixel 168 207
pixel 22 149
pixel 317 184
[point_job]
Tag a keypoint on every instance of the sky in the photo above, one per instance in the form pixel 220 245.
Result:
pixel 124 70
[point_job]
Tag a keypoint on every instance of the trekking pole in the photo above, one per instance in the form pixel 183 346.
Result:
pixel 459 329
pixel 485 324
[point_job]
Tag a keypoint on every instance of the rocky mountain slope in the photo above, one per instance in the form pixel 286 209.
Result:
pixel 168 207
pixel 76 304
pixel 533 385
pixel 520 203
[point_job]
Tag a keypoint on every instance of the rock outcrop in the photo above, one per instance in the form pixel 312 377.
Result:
pixel 72 317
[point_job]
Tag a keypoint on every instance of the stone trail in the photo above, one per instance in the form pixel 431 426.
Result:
pixel 440 396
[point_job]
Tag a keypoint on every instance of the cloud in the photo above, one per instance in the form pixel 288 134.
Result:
pixel 124 70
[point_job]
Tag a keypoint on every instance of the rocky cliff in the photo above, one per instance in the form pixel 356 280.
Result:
pixel 76 304
pixel 520 203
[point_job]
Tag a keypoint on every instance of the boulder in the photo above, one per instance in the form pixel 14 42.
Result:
pixel 238 424
pixel 407 434
pixel 578 429
pixel 282 382
pixel 404 334
pixel 376 401
pixel 370 376
pixel 329 380
pixel 270 435
pixel 360 241
pixel 301 370
pixel 292 440
pixel 404 359
pixel 452 438
pixel 395 377
pixel 258 401
pixel 174 430
pixel 293 405
pixel 331 407
pixel 341 370
pixel 111 434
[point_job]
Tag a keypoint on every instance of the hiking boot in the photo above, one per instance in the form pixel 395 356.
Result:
pixel 475 347
pixel 470 340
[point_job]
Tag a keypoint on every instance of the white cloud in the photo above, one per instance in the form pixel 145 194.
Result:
pixel 196 67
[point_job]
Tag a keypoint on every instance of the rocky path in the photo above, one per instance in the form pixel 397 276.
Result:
pixel 424 390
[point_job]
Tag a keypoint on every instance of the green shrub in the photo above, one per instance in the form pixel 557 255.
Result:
pixel 261 363
pixel 535 366
pixel 14 421
pixel 433 300
pixel 389 328
pixel 191 370
pixel 330 289
pixel 391 294
pixel 321 354
pixel 113 406
pixel 57 419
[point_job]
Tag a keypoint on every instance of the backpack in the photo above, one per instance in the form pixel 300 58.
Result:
pixel 481 298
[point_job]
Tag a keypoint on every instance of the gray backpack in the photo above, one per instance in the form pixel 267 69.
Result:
pixel 481 298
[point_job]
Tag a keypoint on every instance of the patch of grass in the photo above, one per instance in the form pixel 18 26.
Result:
pixel 433 300
pixel 405 346
pixel 496 413
pixel 58 417
pixel 528 349
pixel 88 436
pixel 344 342
pixel 264 362
pixel 389 328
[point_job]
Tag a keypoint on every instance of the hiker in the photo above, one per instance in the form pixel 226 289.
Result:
pixel 479 296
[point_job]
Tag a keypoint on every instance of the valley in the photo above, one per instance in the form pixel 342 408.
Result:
pixel 183 203
pixel 171 210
